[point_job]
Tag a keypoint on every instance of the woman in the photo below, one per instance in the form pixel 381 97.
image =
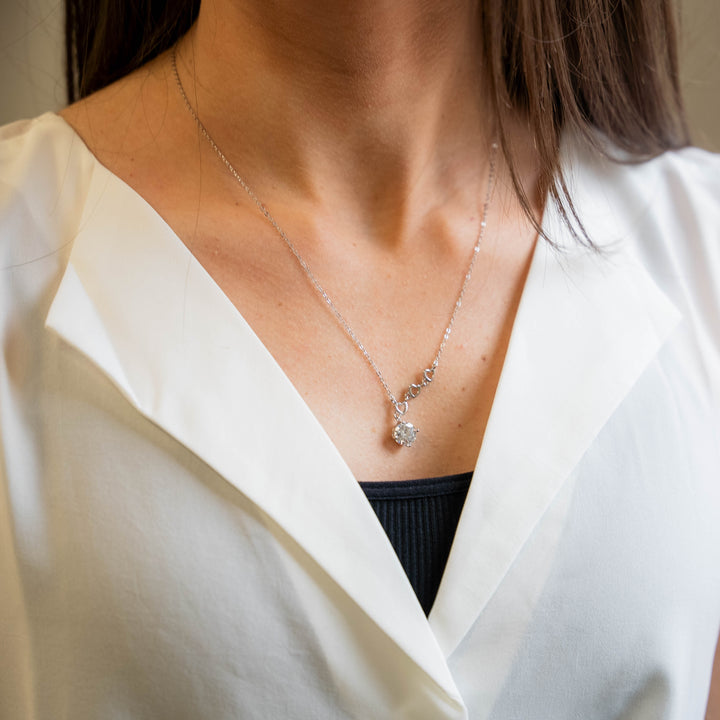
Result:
pixel 278 269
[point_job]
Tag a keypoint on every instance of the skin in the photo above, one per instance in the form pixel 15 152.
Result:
pixel 713 708
pixel 363 127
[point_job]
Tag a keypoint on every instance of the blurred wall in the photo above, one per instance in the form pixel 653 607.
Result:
pixel 31 62
pixel 701 69
pixel 31 58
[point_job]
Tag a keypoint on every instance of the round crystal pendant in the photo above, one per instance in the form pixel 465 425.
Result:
pixel 404 433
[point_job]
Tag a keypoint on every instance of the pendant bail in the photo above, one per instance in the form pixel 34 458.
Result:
pixel 403 433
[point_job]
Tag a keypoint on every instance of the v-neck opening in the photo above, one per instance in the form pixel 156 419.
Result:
pixel 192 259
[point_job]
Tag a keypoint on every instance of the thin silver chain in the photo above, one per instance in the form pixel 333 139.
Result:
pixel 400 406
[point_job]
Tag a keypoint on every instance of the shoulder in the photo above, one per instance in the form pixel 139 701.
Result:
pixel 680 193
pixel 45 171
pixel 49 184
pixel 663 215
pixel 673 198
pixel 664 211
pixel 30 149
pixel 667 212
pixel 30 152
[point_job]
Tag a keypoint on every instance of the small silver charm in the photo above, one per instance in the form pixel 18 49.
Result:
pixel 404 433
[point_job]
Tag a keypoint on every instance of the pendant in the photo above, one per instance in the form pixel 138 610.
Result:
pixel 404 433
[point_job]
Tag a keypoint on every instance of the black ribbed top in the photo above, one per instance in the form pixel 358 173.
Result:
pixel 420 518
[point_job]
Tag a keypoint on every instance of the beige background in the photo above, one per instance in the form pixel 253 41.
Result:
pixel 31 58
pixel 701 69
pixel 31 62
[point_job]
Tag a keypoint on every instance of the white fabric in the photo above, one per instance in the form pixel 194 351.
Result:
pixel 164 555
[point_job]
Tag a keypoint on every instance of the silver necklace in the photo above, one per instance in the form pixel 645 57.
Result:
pixel 403 433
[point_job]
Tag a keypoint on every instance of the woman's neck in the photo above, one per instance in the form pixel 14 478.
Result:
pixel 377 106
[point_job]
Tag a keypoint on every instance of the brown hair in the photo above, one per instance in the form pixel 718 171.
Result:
pixel 596 67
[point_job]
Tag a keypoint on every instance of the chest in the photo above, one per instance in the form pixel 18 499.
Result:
pixel 398 313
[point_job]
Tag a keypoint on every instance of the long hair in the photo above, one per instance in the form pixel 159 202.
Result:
pixel 596 67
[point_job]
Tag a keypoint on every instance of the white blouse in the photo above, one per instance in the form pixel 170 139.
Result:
pixel 179 538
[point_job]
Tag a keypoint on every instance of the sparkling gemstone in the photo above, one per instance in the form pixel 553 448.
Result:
pixel 404 433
